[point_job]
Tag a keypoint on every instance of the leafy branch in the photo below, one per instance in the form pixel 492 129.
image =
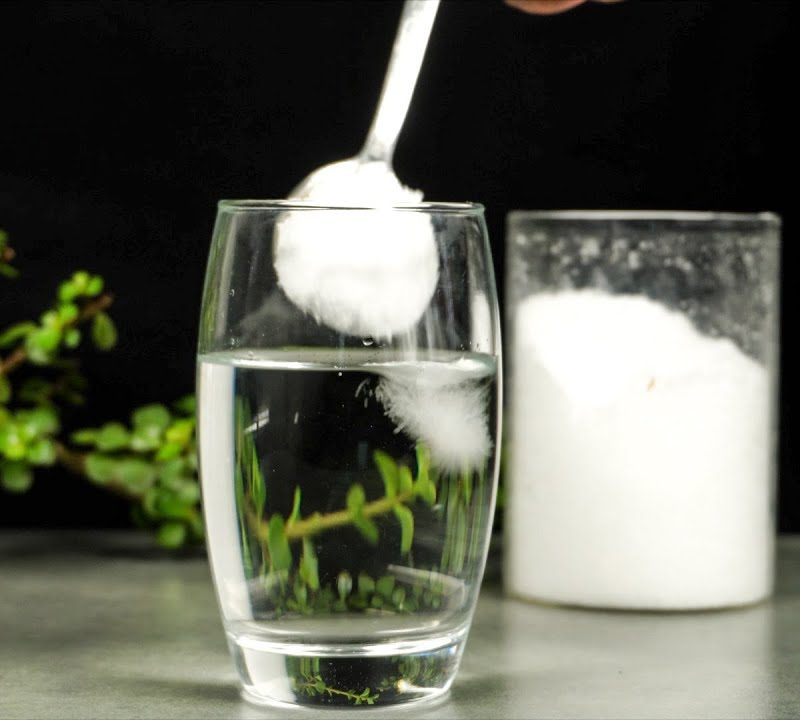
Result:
pixel 400 488
pixel 308 681
pixel 151 463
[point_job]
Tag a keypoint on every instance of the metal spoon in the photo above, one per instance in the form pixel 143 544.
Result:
pixel 398 87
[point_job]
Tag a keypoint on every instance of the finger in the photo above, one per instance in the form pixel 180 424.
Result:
pixel 544 7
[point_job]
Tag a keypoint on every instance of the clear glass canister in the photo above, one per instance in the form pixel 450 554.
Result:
pixel 642 424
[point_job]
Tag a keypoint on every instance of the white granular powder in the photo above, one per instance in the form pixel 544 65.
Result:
pixel 371 272
pixel 641 459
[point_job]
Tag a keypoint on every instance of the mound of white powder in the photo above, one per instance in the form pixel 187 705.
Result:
pixel 361 272
pixel 641 457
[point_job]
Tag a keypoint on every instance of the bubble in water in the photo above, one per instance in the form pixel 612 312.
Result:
pixel 367 341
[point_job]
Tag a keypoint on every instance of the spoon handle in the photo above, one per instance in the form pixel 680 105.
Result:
pixel 401 77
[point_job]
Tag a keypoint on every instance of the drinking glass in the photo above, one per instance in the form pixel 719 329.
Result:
pixel 643 412
pixel 348 385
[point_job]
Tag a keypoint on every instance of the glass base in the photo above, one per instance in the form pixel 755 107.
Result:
pixel 345 676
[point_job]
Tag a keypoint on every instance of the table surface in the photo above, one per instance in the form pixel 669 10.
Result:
pixel 100 625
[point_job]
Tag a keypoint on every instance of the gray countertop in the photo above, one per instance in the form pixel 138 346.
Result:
pixel 97 625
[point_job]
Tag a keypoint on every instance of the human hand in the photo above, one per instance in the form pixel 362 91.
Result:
pixel 548 7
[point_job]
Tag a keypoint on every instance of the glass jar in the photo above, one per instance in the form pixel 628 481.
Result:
pixel 643 373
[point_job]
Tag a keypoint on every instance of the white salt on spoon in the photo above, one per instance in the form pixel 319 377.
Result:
pixel 370 273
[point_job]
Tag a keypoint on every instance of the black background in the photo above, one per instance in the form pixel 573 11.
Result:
pixel 122 124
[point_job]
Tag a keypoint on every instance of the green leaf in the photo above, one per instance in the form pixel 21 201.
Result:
pixel 151 416
pixel 15 333
pixel 425 489
pixel 72 338
pixel 366 584
pixel 135 473
pixel 100 468
pixel 41 344
pixel 50 319
pixel 112 436
pixel 169 504
pixel 41 452
pixel 86 436
pixel 188 491
pixel 5 389
pixel 309 567
pixel 367 528
pixel 12 443
pixel 149 500
pixel 167 451
pixel 388 470
pixel 67 312
pixel 385 586
pixel 186 405
pixel 398 597
pixel 42 420
pixel 180 431
pixel 423 461
pixel 466 483
pixel 258 488
pixel 406 519
pixel 460 540
pixel 104 332
pixel 16 477
pixel 8 270
pixel 94 287
pixel 300 592
pixel 344 584
pixel 406 482
pixel 146 439
pixel 171 535
pixel 295 516
pixel 278 544
pixel 356 499
pixel 67 291
pixel 80 280
pixel 171 470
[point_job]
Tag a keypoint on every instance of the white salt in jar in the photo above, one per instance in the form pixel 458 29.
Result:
pixel 641 412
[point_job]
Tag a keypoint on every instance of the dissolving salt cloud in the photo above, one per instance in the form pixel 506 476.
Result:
pixel 640 473
pixel 442 407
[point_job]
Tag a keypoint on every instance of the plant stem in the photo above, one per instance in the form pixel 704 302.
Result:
pixel 311 684
pixel 317 523
pixel 14 360
pixel 100 303
pixel 76 462
pixel 20 355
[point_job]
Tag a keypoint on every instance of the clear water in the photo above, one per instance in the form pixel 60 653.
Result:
pixel 333 594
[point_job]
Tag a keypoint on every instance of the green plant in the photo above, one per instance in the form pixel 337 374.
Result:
pixel 152 462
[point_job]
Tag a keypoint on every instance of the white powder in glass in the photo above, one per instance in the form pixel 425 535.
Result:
pixel 442 407
pixel 641 458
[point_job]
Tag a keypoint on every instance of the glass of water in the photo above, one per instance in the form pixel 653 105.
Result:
pixel 348 384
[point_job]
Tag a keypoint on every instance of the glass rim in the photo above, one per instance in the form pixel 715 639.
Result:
pixel 251 205
pixel 696 216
